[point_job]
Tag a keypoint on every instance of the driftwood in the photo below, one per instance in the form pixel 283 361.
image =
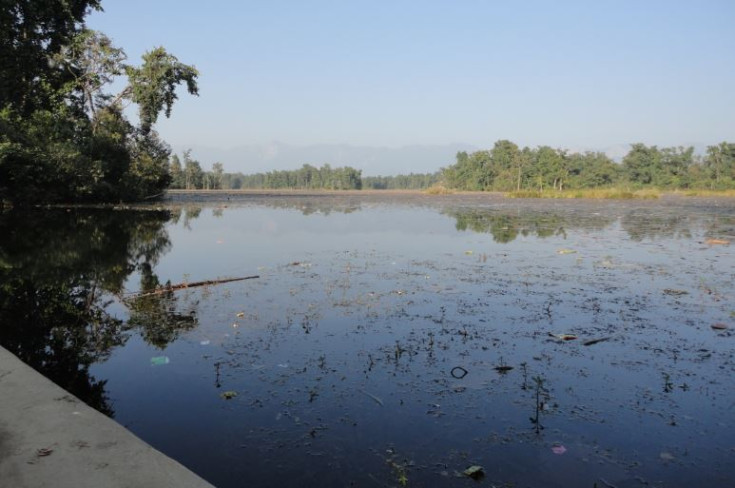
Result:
pixel 595 341
pixel 167 288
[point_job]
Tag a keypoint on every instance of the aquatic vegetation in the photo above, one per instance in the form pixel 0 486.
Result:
pixel 541 396
pixel 589 193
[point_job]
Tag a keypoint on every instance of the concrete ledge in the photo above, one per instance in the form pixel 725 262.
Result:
pixel 49 438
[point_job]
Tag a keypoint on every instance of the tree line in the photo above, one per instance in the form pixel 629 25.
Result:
pixel 307 177
pixel 506 167
pixel 64 135
pixel 189 175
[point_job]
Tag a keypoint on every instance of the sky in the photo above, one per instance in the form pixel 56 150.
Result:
pixel 392 73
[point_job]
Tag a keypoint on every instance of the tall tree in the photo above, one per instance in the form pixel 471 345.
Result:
pixel 64 135
pixel 153 85
pixel 719 165
pixel 193 174
pixel 217 172
pixel 642 163
pixel 32 32
pixel 177 172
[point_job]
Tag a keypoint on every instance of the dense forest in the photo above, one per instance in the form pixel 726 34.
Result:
pixel 64 135
pixel 506 167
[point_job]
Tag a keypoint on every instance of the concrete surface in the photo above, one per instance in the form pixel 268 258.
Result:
pixel 49 438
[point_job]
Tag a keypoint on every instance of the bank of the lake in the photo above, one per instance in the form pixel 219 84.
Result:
pixel 48 438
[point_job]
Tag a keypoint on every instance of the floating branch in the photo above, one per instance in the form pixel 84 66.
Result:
pixel 168 288
pixel 595 341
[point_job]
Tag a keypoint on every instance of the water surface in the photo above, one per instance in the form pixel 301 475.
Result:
pixel 393 341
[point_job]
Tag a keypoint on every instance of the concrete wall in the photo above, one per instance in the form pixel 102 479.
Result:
pixel 49 438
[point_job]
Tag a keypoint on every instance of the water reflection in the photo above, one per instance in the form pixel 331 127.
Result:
pixel 506 227
pixel 504 224
pixel 60 270
pixel 57 284
pixel 343 361
pixel 645 226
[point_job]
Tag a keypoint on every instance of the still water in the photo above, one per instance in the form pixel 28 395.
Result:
pixel 393 341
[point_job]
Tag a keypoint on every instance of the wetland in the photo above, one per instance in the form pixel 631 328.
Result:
pixel 390 339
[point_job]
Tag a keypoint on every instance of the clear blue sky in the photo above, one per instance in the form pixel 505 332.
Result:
pixel 399 72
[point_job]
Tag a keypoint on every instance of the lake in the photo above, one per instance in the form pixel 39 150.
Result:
pixel 392 339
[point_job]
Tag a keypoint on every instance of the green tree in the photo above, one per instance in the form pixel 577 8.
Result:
pixel 507 163
pixel 153 85
pixel 93 63
pixel 593 170
pixel 64 136
pixel 673 171
pixel 642 163
pixel 32 32
pixel 719 165
pixel 177 172
pixel 217 171
pixel 193 174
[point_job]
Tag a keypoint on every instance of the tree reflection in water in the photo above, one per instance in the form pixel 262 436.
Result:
pixel 506 226
pixel 56 287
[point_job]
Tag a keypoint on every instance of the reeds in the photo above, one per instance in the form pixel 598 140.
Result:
pixel 438 190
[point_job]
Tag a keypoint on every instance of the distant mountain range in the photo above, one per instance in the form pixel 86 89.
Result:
pixel 373 161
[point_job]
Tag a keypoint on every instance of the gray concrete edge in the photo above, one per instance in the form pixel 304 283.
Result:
pixel 49 438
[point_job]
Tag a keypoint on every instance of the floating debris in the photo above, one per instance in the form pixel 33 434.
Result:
pixel 458 372
pixel 719 326
pixel 44 451
pixel 563 337
pixel 558 449
pixel 228 395
pixel 675 293
pixel 717 242
pixel 666 456
pixel 475 472
pixel 595 341
pixel 180 286
pixel 159 360
pixel 376 399
pixel 566 251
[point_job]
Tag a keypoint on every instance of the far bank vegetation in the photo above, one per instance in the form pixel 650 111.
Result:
pixel 541 172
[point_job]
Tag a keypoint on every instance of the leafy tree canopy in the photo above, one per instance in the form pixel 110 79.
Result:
pixel 63 134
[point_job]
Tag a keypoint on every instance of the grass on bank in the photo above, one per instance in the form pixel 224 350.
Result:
pixel 592 193
pixel 438 190
pixel 708 193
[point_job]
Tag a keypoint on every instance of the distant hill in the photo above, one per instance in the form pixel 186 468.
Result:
pixel 373 161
